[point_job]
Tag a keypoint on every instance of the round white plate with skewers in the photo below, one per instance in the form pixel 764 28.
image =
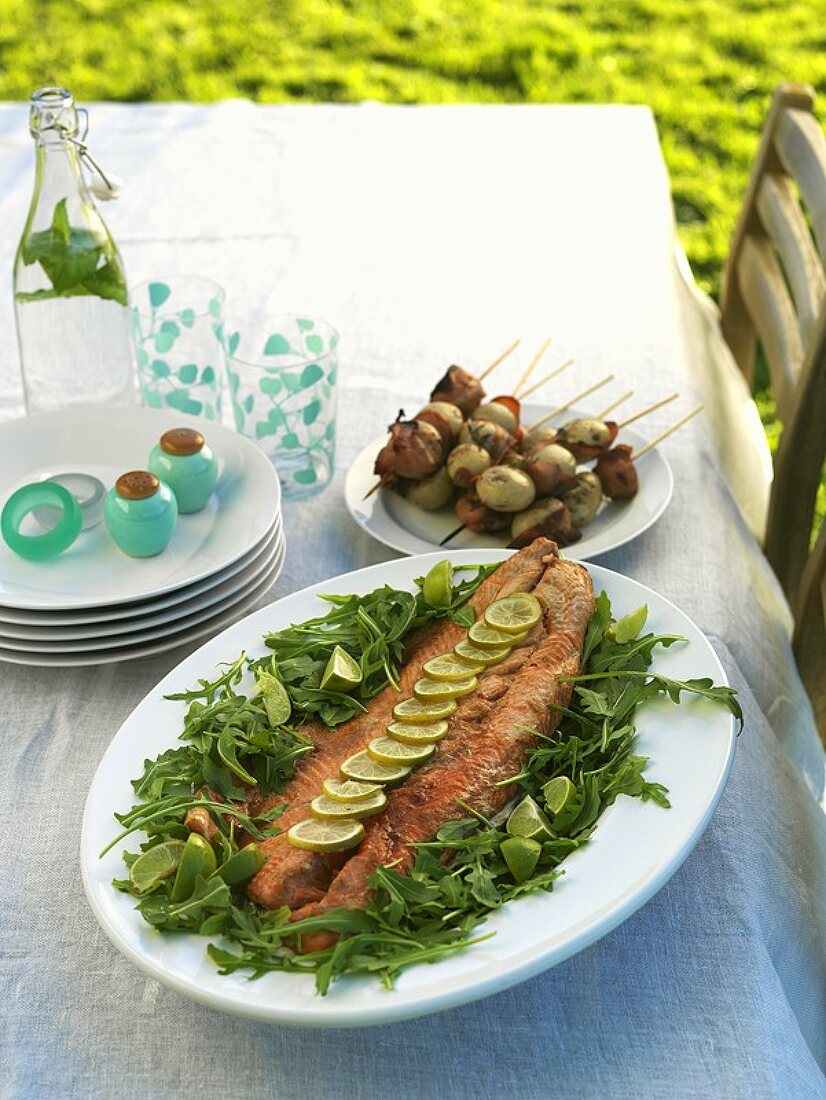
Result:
pixel 398 523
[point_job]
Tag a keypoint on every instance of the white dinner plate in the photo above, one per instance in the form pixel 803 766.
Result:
pixel 397 523
pixel 637 846
pixel 11 616
pixel 134 631
pixel 180 608
pixel 93 572
pixel 218 620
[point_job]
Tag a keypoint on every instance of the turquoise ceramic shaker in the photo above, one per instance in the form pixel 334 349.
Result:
pixel 141 514
pixel 183 461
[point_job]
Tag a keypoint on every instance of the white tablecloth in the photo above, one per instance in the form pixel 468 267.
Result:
pixel 431 236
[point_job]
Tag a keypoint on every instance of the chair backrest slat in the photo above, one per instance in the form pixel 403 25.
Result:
pixel 801 148
pixel 797 472
pixel 770 306
pixel 783 220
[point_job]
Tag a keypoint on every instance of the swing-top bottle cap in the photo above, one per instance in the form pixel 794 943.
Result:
pixel 53 109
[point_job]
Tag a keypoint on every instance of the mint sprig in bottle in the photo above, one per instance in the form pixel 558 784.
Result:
pixel 73 320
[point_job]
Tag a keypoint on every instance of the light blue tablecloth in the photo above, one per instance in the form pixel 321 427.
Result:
pixel 405 229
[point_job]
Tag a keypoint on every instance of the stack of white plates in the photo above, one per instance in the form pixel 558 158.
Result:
pixel 93 604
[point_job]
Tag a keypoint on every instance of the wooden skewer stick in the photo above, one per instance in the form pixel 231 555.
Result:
pixel 683 419
pixel 452 535
pixel 547 378
pixel 501 359
pixel 613 405
pixel 644 412
pixel 577 397
pixel 531 367
pixel 379 485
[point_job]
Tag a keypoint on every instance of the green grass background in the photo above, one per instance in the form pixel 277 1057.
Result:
pixel 707 68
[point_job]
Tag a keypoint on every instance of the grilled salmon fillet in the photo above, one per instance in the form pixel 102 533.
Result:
pixel 294 877
pixel 473 758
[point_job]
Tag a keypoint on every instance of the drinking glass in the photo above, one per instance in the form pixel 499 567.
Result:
pixel 178 330
pixel 282 380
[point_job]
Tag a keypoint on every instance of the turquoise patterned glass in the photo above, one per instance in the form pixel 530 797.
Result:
pixel 282 379
pixel 178 329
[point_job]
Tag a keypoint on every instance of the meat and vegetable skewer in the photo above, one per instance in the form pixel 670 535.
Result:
pixel 413 452
pixel 566 500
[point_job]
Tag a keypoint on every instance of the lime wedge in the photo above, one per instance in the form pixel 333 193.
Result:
pixel 342 672
pixel 348 790
pixel 363 768
pixel 326 836
pixel 474 654
pixel 628 627
pixel 274 697
pixel 330 809
pixel 451 667
pixel 437 588
pixel 242 865
pixel 414 733
pixel 416 710
pixel 527 820
pixel 521 855
pixel 434 691
pixel 514 614
pixel 486 637
pixel 392 753
pixel 197 858
pixel 558 793
pixel 155 865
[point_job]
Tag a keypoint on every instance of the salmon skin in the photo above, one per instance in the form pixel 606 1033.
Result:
pixel 294 877
pixel 472 761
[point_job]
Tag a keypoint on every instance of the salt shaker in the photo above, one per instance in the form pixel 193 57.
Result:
pixel 141 514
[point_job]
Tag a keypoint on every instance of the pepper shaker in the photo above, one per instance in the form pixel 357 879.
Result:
pixel 183 461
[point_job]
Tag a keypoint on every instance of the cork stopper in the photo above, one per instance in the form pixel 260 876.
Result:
pixel 137 485
pixel 182 441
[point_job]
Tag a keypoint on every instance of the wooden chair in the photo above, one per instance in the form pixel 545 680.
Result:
pixel 774 293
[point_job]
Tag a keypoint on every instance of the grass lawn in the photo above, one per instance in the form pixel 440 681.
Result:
pixel 706 67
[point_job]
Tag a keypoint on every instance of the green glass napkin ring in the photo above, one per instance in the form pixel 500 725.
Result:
pixel 50 543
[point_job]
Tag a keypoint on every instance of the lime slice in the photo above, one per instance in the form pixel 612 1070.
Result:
pixel 451 667
pixel 363 768
pixel 437 588
pixel 558 793
pixel 274 697
pixel 342 672
pixel 326 836
pixel 244 864
pixel 527 820
pixel 414 733
pixel 628 627
pixel 486 637
pixel 434 691
pixel 476 655
pixel 155 865
pixel 417 711
pixel 514 614
pixel 330 809
pixel 521 855
pixel 197 858
pixel 348 790
pixel 388 751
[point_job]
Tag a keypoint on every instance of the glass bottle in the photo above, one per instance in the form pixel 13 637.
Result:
pixel 73 321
